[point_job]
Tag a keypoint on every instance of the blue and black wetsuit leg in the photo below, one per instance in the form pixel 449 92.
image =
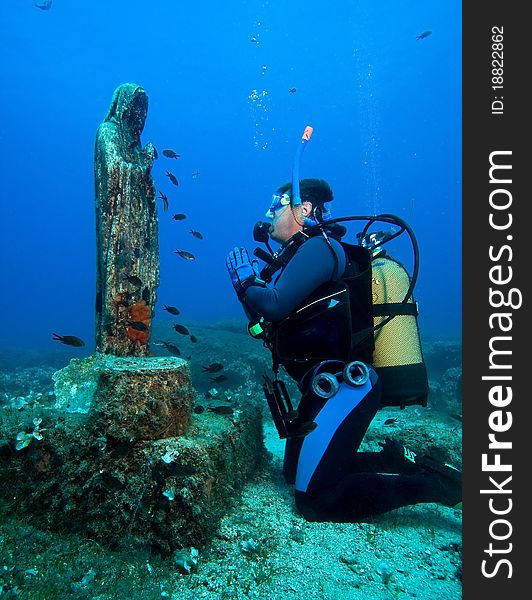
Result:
pixel 344 430
pixel 335 483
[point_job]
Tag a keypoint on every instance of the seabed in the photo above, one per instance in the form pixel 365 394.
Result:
pixel 252 543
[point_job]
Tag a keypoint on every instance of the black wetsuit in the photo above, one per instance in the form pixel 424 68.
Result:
pixel 332 480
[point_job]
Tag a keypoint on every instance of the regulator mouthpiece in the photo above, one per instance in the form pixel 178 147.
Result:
pixel 261 232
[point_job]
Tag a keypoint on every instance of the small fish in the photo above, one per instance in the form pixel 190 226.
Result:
pixel 171 309
pixel 253 40
pixel 171 154
pixel 69 340
pixel 292 90
pixel 219 379
pixel 221 410
pixel 198 409
pixel 172 178
pixel 195 175
pixel 133 280
pixel 213 368
pixel 391 421
pixel 155 153
pixel 137 325
pixel 146 296
pixel 193 339
pixel 424 34
pixel 196 234
pixel 43 4
pixel 164 198
pixel 181 329
pixel 186 255
pixel 179 217
pixel 172 348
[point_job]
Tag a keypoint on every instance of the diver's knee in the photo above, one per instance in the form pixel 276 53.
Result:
pixel 306 507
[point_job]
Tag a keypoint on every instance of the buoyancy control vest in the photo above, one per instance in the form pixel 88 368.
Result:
pixel 369 314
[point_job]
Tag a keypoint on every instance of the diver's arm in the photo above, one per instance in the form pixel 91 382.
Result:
pixel 312 265
pixel 250 314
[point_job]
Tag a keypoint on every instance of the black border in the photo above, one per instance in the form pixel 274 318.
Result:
pixel 483 133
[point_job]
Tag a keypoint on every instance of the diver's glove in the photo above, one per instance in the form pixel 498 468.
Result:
pixel 243 272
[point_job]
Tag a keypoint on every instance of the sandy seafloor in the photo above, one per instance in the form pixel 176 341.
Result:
pixel 413 552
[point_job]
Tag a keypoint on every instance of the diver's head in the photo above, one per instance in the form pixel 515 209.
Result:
pixel 289 218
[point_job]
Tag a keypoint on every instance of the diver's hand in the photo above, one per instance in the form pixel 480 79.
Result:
pixel 241 269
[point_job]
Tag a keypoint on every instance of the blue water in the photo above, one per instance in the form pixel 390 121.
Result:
pixel 385 107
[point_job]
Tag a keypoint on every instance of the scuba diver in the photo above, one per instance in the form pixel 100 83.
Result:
pixel 317 316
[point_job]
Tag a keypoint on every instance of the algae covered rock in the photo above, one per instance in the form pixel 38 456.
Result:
pixel 159 494
pixel 142 398
pixel 129 398
pixel 76 384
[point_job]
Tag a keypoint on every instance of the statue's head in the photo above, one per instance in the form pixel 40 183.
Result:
pixel 129 107
pixel 136 111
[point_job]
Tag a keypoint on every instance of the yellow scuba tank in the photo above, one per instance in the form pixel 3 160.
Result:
pixel 397 357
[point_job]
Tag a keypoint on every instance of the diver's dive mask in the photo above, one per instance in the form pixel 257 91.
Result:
pixel 278 201
pixel 281 200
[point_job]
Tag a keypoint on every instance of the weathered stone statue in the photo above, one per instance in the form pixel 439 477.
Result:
pixel 126 227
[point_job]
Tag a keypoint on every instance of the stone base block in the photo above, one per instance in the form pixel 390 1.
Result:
pixel 129 399
pixel 158 494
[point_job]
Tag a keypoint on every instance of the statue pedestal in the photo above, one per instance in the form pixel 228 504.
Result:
pixel 142 399
pixel 128 399
pixel 136 468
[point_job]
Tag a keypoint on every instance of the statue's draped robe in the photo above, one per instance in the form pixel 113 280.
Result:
pixel 126 228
